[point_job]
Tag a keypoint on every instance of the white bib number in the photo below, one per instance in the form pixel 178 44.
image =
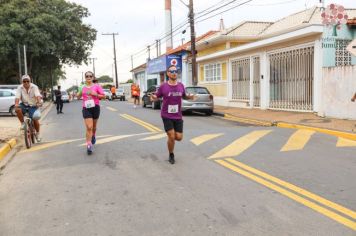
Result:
pixel 172 109
pixel 89 103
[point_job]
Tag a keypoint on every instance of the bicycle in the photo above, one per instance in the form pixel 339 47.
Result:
pixel 29 130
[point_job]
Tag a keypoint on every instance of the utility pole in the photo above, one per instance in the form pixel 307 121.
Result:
pixel 25 58
pixel 157 52
pixel 192 34
pixel 132 67
pixel 113 37
pixel 19 59
pixel 93 58
pixel 149 52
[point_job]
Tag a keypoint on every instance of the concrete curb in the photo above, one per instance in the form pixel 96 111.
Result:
pixel 4 150
pixel 337 133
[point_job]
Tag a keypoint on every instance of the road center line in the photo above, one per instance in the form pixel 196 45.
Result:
pixel 294 188
pixel 111 108
pixel 144 124
pixel 343 142
pixel 332 215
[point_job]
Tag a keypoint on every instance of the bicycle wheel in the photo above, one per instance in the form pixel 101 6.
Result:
pixel 33 133
pixel 27 134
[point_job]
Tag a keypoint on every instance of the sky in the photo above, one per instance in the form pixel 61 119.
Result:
pixel 140 22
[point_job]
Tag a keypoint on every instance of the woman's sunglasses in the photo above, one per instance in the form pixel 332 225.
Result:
pixel 173 71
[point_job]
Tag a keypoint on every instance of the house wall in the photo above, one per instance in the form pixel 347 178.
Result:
pixel 211 50
pixel 338 86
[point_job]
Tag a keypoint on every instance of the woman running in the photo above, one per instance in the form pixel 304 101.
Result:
pixel 91 94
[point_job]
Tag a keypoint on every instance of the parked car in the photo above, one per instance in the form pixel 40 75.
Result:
pixel 203 103
pixel 120 94
pixel 7 101
pixel 65 96
pixel 146 98
pixel 108 94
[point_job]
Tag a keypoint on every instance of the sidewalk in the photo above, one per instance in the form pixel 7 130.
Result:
pixel 273 117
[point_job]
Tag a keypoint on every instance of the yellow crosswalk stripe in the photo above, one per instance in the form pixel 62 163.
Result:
pixel 111 109
pixel 298 140
pixel 204 138
pixel 341 219
pixel 342 142
pixel 241 144
pixel 42 146
pixel 115 138
pixel 154 137
pixel 144 124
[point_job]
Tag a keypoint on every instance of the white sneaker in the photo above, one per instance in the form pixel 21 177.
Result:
pixel 23 126
pixel 38 138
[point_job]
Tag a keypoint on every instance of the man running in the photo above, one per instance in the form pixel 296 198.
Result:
pixel 91 94
pixel 59 100
pixel 30 97
pixel 171 113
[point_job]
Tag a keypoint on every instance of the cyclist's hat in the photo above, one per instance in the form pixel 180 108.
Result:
pixel 25 77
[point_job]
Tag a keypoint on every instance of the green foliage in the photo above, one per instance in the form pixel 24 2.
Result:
pixel 53 33
pixel 130 81
pixel 107 86
pixel 105 79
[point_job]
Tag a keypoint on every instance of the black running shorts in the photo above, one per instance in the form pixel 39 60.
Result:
pixel 170 124
pixel 91 113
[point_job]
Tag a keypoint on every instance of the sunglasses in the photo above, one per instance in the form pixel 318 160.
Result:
pixel 173 71
pixel 25 81
pixel 88 76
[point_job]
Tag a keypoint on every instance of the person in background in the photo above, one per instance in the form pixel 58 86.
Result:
pixel 136 95
pixel 59 100
pixel 353 99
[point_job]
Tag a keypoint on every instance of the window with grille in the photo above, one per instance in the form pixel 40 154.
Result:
pixel 343 57
pixel 212 72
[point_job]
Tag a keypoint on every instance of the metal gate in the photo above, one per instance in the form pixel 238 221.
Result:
pixel 241 79
pixel 291 79
pixel 256 82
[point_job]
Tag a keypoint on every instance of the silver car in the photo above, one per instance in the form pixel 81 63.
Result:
pixel 203 103
pixel 7 101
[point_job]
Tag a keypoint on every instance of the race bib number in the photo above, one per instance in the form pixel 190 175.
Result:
pixel 89 103
pixel 172 109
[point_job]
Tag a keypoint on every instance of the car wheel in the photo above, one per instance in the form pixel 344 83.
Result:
pixel 12 110
pixel 144 103
pixel 209 113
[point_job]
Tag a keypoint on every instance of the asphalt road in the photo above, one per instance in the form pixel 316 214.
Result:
pixel 229 179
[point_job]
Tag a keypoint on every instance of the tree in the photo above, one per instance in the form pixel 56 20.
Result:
pixel 105 79
pixel 53 32
pixel 129 81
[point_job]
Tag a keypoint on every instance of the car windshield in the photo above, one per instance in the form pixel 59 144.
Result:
pixel 64 93
pixel 197 90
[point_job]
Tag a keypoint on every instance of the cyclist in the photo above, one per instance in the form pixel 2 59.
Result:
pixel 28 98
pixel 172 92
pixel 91 94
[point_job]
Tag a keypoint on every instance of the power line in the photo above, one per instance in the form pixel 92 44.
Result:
pixel 229 9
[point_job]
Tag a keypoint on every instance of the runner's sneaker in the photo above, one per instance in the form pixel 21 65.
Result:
pixel 23 126
pixel 89 149
pixel 38 137
pixel 171 158
pixel 93 139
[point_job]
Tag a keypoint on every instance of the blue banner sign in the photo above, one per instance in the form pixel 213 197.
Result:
pixel 161 64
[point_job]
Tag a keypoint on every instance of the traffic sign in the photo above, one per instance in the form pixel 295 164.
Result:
pixel 352 47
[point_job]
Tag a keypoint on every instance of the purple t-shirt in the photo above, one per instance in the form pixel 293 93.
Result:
pixel 172 100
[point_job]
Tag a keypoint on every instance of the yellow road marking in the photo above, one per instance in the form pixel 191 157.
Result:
pixel 155 137
pixel 241 144
pixel 342 142
pixel 349 223
pixel 298 140
pixel 204 138
pixel 144 124
pixel 48 145
pixel 296 189
pixel 115 138
pixel 39 147
pixel 111 109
